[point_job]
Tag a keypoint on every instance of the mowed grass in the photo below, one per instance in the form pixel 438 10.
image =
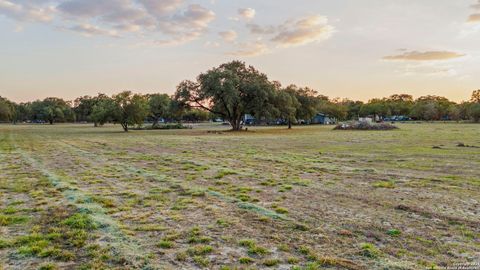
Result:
pixel 78 197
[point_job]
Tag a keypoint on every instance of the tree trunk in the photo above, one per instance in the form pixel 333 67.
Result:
pixel 289 124
pixel 51 122
pixel 125 127
pixel 95 124
pixel 155 123
pixel 236 125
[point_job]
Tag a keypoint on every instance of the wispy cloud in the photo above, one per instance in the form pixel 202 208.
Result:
pixel 475 17
pixel 424 56
pixel 251 49
pixel 27 11
pixel 228 36
pixel 92 30
pixel 247 13
pixel 304 31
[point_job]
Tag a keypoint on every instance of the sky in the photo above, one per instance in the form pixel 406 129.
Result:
pixel 341 48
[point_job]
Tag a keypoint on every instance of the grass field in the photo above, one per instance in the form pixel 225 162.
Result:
pixel 78 197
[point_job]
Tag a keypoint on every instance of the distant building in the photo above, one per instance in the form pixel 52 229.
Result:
pixel 323 119
pixel 249 120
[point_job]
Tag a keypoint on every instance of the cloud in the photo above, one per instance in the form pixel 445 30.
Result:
pixel 428 69
pixel 303 31
pixel 27 10
pixel 474 18
pixel 160 8
pixel 195 16
pixel 424 56
pixel 247 13
pixel 186 26
pixel 477 5
pixel 291 33
pixel 155 21
pixel 228 36
pixel 261 30
pixel 251 49
pixel 92 30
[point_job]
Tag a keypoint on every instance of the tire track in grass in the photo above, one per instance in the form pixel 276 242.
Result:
pixel 162 178
pixel 121 244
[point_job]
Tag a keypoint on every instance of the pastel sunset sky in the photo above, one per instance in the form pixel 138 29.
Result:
pixel 341 48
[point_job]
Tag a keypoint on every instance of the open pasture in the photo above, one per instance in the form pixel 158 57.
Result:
pixel 78 197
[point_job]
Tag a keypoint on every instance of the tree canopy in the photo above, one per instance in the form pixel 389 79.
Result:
pixel 129 109
pixel 230 91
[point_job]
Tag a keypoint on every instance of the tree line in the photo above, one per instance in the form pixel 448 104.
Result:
pixel 229 92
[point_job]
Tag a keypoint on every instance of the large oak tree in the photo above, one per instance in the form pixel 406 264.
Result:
pixel 230 91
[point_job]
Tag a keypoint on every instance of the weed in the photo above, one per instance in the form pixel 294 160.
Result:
pixel 384 184
pixel 293 260
pixel 394 232
pixel 48 266
pixel 369 250
pixel 7 220
pixel 80 221
pixel 281 210
pixel 246 260
pixel 181 256
pixel 165 244
pixel 201 261
pixel 225 172
pixel 200 250
pixel 271 262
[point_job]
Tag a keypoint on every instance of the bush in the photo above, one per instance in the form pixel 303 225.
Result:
pixel 362 125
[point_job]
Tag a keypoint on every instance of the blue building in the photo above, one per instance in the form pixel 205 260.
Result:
pixel 323 119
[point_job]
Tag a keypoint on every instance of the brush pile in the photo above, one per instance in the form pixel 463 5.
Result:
pixel 364 125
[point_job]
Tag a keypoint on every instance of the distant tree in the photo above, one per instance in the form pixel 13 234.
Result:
pixel 56 110
pixel 195 115
pixel 353 108
pixel 83 108
pixel 286 105
pixel 231 91
pixel 463 110
pixel 376 108
pixel 103 110
pixel 159 105
pixel 474 112
pixel 399 104
pixel 454 112
pixel 130 109
pixel 431 108
pixel 335 109
pixel 308 99
pixel 6 110
pixel 176 110
pixel 475 96
pixel 23 112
